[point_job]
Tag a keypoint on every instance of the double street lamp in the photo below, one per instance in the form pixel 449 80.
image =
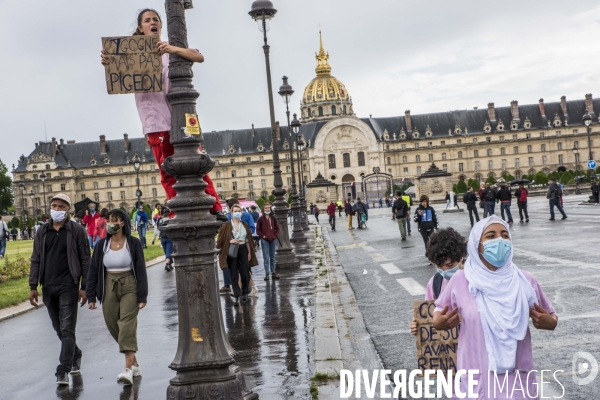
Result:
pixel 299 147
pixel 262 12
pixel 576 153
pixel 137 165
pixel 286 91
pixel 43 179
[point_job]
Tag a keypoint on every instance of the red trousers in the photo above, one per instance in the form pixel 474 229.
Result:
pixel 162 148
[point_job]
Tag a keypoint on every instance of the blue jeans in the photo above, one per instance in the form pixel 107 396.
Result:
pixel 91 241
pixel 142 233
pixel 489 206
pixel 556 202
pixel 268 250
pixel 2 246
pixel 226 277
pixel 167 245
pixel 505 206
pixel 408 224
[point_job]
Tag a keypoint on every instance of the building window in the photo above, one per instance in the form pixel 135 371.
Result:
pixel 429 144
pixel 61 174
pixel 109 196
pixel 503 163
pixel 443 156
pixel 250 185
pixel 528 136
pixel 418 170
pixel 83 196
pixel 289 181
pixel 404 159
pixel 445 167
pixel 543 147
pixel 287 156
pixel 458 141
pixel 49 188
pixel 320 111
pixel 63 187
pixel 288 169
pixel 120 170
pixel 248 159
pixel 263 183
pixel 35 176
pixel 122 193
pixel 361 159
pixel 501 138
pixel 530 161
pixel 461 167
pixel 489 152
pixel 153 167
pixel 460 154
pixel 303 167
pixel 488 139
pixel 443 143
pixel 331 159
pixel 262 171
pixel 403 147
pixel 121 183
pixel 517 163
pixel 418 158
pixel 416 145
pixel 405 170
pixel 490 165
pixel 475 140
pixel 81 186
pixel 261 158
pixel 387 146
pixel 232 161
pixel 529 148
pixel 516 149
pixel 476 153
pixel 234 186
pixel 48 175
pixel 249 172
pixel 108 184
pixel 333 110
pixel 251 196
pixel 576 143
pixel 36 189
pixel 80 173
pixel 218 175
pixel 218 187
pixel 518 174
pixel 476 165
pixel 559 146
pixel 389 160
pixel 346 159
pixel 430 157
pixel 560 159
pixel 233 174
pixel 515 137
pixel 154 193
pixel 153 180
pixel 542 135
pixel 544 160
pixel 95 185
pixel 96 196
pixel 94 172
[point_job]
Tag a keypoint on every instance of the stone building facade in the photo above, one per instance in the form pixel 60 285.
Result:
pixel 515 139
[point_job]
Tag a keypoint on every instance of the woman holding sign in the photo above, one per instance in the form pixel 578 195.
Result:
pixel 494 300
pixel 154 109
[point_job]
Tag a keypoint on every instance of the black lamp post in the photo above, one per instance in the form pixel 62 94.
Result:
pixel 576 153
pixel 376 171
pixel 299 147
pixel 262 12
pixel 32 197
pixel 286 91
pixel 204 359
pixel 137 165
pixel 23 211
pixel 43 179
pixel 587 120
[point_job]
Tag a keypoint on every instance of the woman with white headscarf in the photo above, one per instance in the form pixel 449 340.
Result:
pixel 493 300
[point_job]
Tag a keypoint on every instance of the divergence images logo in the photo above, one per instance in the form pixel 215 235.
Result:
pixel 584 363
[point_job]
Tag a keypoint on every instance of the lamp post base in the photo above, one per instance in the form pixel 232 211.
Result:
pixel 200 384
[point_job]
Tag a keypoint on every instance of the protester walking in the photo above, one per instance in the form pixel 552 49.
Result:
pixel 408 201
pixel 316 213
pixel 267 228
pixel 155 111
pixel 14 232
pixel 254 213
pixel 490 196
pixel 237 253
pixel 4 235
pixel 331 213
pixel 340 207
pixel 89 220
pixel 495 299
pixel 141 224
pixel 165 241
pixel 505 196
pixel 426 220
pixel 118 280
pixel 455 196
pixel 521 195
pixel 554 195
pixel 156 214
pixel 100 228
pixel 401 211
pixel 447 198
pixel 349 213
pixel 360 208
pixel 596 192
pixel 59 262
pixel 470 199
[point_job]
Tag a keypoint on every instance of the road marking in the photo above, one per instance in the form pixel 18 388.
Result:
pixel 350 246
pixel 377 256
pixel 391 269
pixel 413 287
pixel 369 248
pixel 378 280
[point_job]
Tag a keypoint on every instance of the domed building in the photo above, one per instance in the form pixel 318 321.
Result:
pixel 325 97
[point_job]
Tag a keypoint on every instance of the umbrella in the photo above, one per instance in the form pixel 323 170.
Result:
pixel 82 205
pixel 519 181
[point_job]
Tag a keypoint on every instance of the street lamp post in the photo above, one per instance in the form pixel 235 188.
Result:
pixel 23 211
pixel 576 153
pixel 32 197
pixel 137 165
pixel 204 362
pixel 299 147
pixel 43 179
pixel 587 120
pixel 262 12
pixel 376 170
pixel 286 91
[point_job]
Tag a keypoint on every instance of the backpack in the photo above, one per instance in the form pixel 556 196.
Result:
pixel 558 191
pixel 401 213
pixel 489 195
pixel 438 279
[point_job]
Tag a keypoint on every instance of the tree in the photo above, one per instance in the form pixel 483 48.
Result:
pixel 540 178
pixel 566 177
pixel 461 186
pixel 6 192
pixel 15 222
pixel 455 188
pixel 554 175
pixel 491 180
pixel 474 183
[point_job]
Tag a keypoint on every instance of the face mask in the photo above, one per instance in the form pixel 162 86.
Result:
pixel 267 212
pixel 237 215
pixel 92 209
pixel 58 216
pixel 112 229
pixel 448 273
pixel 497 251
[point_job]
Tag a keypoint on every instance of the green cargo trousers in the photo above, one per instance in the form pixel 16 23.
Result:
pixel 402 226
pixel 120 309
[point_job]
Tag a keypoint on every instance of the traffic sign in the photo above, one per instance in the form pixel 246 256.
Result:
pixel 592 164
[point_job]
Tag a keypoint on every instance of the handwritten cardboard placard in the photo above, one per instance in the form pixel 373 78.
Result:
pixel 436 350
pixel 135 65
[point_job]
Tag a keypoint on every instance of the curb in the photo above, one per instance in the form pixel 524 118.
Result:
pixel 19 309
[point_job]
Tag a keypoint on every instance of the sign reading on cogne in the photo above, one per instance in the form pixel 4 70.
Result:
pixel 436 350
pixel 135 65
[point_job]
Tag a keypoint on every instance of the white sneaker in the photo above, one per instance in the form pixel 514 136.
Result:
pixel 253 292
pixel 137 371
pixel 125 377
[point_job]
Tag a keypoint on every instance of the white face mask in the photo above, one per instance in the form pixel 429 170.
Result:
pixel 58 216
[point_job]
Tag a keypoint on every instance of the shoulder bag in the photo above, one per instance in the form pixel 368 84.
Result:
pixel 233 249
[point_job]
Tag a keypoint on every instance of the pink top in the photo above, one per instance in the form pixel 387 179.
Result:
pixel 429 295
pixel 472 353
pixel 153 108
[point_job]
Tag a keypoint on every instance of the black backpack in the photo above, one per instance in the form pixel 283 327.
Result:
pixel 438 279
pixel 401 211
pixel 489 195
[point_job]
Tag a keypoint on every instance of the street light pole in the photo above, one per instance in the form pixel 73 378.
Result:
pixel 137 165
pixel 299 147
pixel 576 153
pixel 262 12
pixel 32 196
pixel 43 179
pixel 286 92
pixel 204 362
pixel 587 120
pixel 23 212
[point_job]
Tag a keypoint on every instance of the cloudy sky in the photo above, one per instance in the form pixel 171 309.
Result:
pixel 392 55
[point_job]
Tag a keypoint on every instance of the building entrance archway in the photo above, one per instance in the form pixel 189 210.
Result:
pixel 348 186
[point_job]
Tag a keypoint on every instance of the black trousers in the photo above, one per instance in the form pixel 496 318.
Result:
pixel 332 221
pixel 61 302
pixel 425 234
pixel 473 210
pixel 238 267
pixel 523 209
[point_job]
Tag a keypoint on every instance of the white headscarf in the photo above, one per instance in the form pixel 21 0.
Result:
pixel 503 300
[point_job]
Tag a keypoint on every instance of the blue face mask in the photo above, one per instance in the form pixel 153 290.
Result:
pixel 448 273
pixel 237 215
pixel 267 212
pixel 497 251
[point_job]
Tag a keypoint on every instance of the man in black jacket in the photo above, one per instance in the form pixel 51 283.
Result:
pixel 504 196
pixel 400 210
pixel 470 199
pixel 59 262
pixel 489 195
pixel 521 195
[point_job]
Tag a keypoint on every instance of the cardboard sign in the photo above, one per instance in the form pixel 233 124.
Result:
pixel 436 350
pixel 192 127
pixel 135 65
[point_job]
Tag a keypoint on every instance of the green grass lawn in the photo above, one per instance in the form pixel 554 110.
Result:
pixel 17 291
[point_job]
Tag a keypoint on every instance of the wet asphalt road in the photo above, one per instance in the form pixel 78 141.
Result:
pixel 272 335
pixel 564 256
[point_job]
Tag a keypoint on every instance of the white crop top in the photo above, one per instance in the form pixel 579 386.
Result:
pixel 118 260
